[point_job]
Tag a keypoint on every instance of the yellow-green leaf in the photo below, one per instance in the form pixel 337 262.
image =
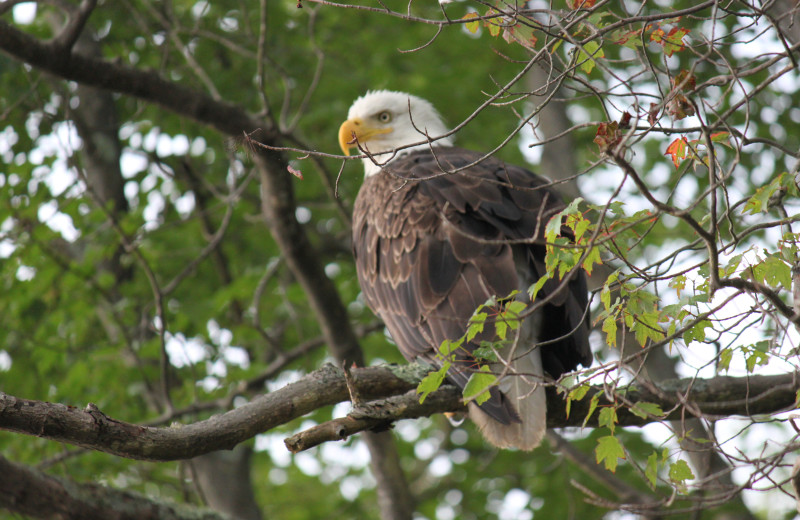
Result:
pixel 587 55
pixel 432 382
pixel 610 328
pixel 473 25
pixel 651 469
pixel 679 473
pixel 609 451
pixel 646 410
pixel 608 418
pixel 493 23
pixel 592 407
pixel 477 388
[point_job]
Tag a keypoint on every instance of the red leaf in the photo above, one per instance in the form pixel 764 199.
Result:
pixel 684 81
pixel 652 114
pixel 580 4
pixel 678 105
pixel 672 41
pixel 607 136
pixel 677 149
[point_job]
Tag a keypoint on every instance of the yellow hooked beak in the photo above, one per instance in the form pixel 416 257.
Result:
pixel 354 131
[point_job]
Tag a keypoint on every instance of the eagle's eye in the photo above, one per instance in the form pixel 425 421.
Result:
pixel 384 117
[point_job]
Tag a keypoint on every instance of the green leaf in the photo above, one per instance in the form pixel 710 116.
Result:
pixel 592 407
pixel 762 346
pixel 697 333
pixel 774 272
pixel 732 265
pixel 448 347
pixel 591 259
pixel 678 283
pixel 485 352
pixel 725 357
pixel 587 55
pixel 646 410
pixel 432 381
pixel 522 34
pixel 596 18
pixel 534 289
pixel 608 417
pixel 576 394
pixel 605 295
pixel 672 41
pixel 609 451
pixel 476 324
pixel 756 357
pixel 627 38
pixel 501 329
pixel 679 473
pixel 553 227
pixel 581 226
pixel 515 308
pixel 760 201
pixel 477 388
pixel 610 328
pixel 646 327
pixel 651 469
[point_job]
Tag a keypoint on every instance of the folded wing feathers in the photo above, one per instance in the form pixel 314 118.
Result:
pixel 428 252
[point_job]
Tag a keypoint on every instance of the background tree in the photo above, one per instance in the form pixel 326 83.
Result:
pixel 161 263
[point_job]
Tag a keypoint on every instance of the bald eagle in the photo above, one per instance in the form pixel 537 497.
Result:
pixel 437 231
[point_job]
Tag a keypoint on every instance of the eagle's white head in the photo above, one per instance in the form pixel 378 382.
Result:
pixel 383 121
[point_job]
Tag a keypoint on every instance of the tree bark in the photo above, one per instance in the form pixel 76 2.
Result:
pixel 223 482
pixel 26 491
pixel 90 428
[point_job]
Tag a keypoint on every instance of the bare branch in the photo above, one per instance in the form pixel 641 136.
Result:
pixel 74 26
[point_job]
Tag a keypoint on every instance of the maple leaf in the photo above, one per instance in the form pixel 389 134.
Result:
pixel 587 55
pixel 630 39
pixel 580 4
pixel 671 41
pixel 679 107
pixel 609 451
pixel 677 149
pixel 472 25
pixel 493 23
pixel 684 81
pixel 607 136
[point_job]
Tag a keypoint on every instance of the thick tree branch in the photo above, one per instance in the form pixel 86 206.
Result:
pixel 378 415
pixel 27 491
pixel 718 397
pixel 228 118
pixel 90 428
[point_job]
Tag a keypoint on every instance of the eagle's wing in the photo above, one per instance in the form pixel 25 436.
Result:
pixel 431 247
